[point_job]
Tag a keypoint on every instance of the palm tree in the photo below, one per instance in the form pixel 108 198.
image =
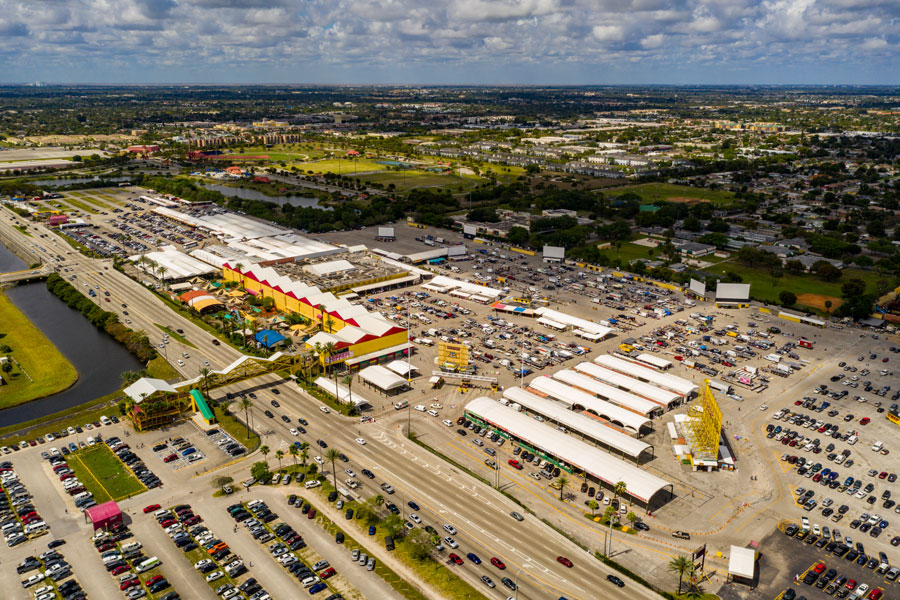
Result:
pixel 205 377
pixel 683 566
pixel 348 380
pixel 563 481
pixel 619 488
pixel 294 451
pixel 265 450
pixel 279 454
pixel 332 455
pixel 329 323
pixel 246 403
pixel 304 453
pixel 631 518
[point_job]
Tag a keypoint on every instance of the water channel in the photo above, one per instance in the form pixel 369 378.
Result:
pixel 98 358
pixel 60 182
pixel 303 201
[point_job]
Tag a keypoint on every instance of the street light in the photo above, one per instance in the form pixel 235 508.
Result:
pixel 517 581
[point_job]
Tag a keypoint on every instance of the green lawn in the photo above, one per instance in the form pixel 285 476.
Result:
pixel 343 167
pixel 652 192
pixel 69 199
pixel 411 179
pixel 762 287
pixel 47 369
pixel 236 428
pixel 158 368
pixel 102 473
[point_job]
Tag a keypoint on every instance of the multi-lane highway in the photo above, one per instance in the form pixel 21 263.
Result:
pixel 480 514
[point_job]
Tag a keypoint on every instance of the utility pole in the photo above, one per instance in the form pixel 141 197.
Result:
pixel 516 597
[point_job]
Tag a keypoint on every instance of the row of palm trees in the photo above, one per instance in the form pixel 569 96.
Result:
pixel 331 455
pixel 159 271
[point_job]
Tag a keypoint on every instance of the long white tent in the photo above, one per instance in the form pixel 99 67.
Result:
pixel 629 384
pixel 642 406
pixel 578 423
pixel 618 416
pixel 576 322
pixel 608 469
pixel 654 361
pixel 382 378
pixel 679 385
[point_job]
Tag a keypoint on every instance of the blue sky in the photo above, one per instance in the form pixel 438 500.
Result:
pixel 451 41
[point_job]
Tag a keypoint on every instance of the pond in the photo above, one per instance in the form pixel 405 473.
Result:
pixel 248 194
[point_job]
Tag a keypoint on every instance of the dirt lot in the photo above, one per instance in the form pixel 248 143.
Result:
pixel 818 301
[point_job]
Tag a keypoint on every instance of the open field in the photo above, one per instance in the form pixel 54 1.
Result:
pixel 103 474
pixel 68 198
pixel 407 180
pixel 817 301
pixel 653 192
pixel 48 370
pixel 343 167
pixel 762 287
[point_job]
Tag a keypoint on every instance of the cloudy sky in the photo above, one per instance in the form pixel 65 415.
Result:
pixel 450 41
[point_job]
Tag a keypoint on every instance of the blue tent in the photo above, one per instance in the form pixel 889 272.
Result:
pixel 269 338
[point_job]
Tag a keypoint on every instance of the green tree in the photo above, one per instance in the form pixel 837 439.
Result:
pixel 518 236
pixel 246 403
pixel 394 525
pixel 331 455
pixel 682 565
pixel 592 504
pixel 294 451
pixel 563 481
pixel 279 454
pixel 620 488
pixel 787 298
pixel 420 544
pixel 852 288
pixel 260 471
pixel 631 517
pixel 221 481
pixel 264 450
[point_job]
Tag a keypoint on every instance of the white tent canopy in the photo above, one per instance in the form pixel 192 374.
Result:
pixel 642 406
pixel 679 385
pixel 577 322
pixel 552 324
pixel 343 394
pixel 577 422
pixel 382 378
pixel 742 562
pixel 401 368
pixel 640 485
pixel 629 384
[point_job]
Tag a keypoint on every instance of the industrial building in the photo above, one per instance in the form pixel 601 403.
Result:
pixel 589 428
pixel 576 399
pixel 569 453
pixel 170 264
pixel 583 328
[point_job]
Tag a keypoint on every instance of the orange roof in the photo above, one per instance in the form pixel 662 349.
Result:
pixel 187 296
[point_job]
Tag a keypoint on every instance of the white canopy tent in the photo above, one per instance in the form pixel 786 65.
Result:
pixel 382 378
pixel 343 394
pixel 574 398
pixel 401 368
pixel 742 563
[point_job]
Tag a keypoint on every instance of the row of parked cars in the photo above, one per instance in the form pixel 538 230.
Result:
pixel 133 462
pixel 841 586
pixel 839 547
pixel 51 567
pixel 51 437
pixel 19 519
pixel 71 485
pixel 285 541
pixel 127 562
pixel 226 443
pixel 177 448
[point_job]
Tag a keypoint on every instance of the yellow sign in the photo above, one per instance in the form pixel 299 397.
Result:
pixel 455 354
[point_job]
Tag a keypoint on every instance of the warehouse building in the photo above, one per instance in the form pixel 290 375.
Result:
pixel 570 454
pixel 588 428
pixel 636 404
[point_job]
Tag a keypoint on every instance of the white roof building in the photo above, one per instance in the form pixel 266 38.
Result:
pixel 576 322
pixel 578 400
pixel 177 264
pixel 640 485
pixel 382 378
pixel 641 406
pixel 629 384
pixel 679 385
pixel 146 387
pixel 579 423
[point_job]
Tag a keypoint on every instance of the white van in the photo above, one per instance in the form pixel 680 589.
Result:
pixel 131 546
pixel 160 513
pixel 91 441
pixel 82 496
pixel 877 446
pixel 105 420
pixel 852 440
pixel 312 484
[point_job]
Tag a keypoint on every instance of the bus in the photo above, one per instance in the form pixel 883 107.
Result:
pixel 147 565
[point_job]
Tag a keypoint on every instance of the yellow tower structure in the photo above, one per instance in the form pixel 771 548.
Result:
pixel 703 428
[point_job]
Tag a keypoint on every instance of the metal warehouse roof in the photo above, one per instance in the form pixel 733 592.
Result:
pixel 616 396
pixel 577 422
pixel 677 384
pixel 579 323
pixel 616 415
pixel 634 386
pixel 609 469
pixel 382 378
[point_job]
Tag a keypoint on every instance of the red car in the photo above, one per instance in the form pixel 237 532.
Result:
pixel 851 584
pixel 153 580
pixel 514 464
pixel 329 572
pixel 129 584
pixel 819 568
pixel 105 546
pixel 455 558
pixel 864 421
pixel 151 508
pixel 498 563
pixel 311 514
pixel 564 561
pixel 875 594
pixel 170 458
pixel 167 522
pixel 120 569
pixel 798 402
pixel 193 520
pixel 882 475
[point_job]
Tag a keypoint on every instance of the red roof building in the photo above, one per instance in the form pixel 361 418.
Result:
pixel 143 149
pixel 103 516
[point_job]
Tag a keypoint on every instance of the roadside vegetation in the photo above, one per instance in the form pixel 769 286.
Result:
pixel 32 366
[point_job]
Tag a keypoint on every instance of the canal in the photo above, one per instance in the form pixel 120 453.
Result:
pixel 303 201
pixel 99 360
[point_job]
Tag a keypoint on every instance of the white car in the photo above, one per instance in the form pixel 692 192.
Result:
pixel 294 432
pixel 447 422
pixel 319 460
pixel 433 413
pixel 350 472
pixel 437 405
pixel 420 407
pixel 325 409
pixel 451 542
pixel 202 563
pixel 361 441
pixel 180 362
pixel 415 518
pixel 214 576
pixel 205 363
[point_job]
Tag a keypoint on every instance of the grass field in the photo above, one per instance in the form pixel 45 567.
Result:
pixel 47 369
pixel 407 180
pixel 158 368
pixel 652 192
pixel 103 474
pixel 762 287
pixel 69 199
pixel 343 167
